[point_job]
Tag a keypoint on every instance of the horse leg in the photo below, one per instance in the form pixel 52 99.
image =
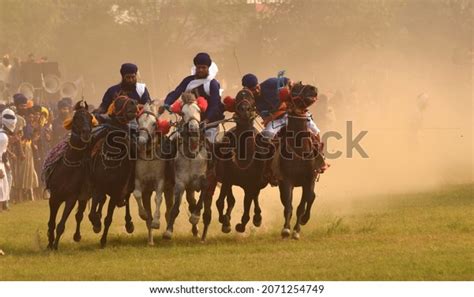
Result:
pixel 168 192
pixel 191 208
pixel 95 215
pixel 53 211
pixel 147 206
pixel 257 217
pixel 310 196
pixel 155 224
pixel 79 216
pixel 230 207
pixel 128 218
pixel 178 195
pixel 207 213
pixel 220 202
pixel 62 223
pixel 299 213
pixel 137 193
pixel 108 221
pixel 245 216
pixel 286 197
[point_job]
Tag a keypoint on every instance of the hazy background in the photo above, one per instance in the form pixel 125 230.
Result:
pixel 371 58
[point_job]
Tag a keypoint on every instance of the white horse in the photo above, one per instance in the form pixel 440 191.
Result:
pixel 150 174
pixel 190 164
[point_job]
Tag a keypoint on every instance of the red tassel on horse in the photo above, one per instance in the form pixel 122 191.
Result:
pixel 229 104
pixel 202 103
pixel 176 106
pixel 163 126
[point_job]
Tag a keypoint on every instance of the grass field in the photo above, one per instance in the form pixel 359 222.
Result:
pixel 418 236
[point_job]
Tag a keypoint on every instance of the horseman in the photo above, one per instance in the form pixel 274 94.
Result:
pixel 202 83
pixel 129 87
pixel 270 97
pixel 270 106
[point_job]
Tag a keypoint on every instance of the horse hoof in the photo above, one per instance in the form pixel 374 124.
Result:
pixel 77 237
pixel 194 219
pixel 129 227
pixel 257 220
pixel 155 225
pixel 103 244
pixel 221 219
pixel 151 243
pixel 240 228
pixel 168 235
pixel 295 235
pixel 96 228
pixel 285 233
pixel 195 231
pixel 226 228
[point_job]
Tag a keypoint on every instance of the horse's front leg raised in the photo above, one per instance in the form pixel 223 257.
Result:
pixel 95 214
pixel 257 217
pixel 128 218
pixel 178 195
pixel 192 207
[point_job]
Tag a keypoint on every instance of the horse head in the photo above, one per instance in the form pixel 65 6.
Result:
pixel 124 109
pixel 82 121
pixel 301 97
pixel 245 109
pixel 191 113
pixel 146 124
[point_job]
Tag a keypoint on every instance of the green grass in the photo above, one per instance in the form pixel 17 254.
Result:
pixel 419 236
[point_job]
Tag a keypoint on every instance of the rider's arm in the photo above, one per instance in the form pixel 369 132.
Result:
pixel 214 110
pixel 106 100
pixel 174 95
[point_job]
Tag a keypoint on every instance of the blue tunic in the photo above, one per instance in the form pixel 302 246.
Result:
pixel 215 108
pixel 269 99
pixel 112 92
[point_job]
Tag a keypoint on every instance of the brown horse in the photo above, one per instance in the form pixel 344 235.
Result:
pixel 245 167
pixel 113 166
pixel 65 177
pixel 299 158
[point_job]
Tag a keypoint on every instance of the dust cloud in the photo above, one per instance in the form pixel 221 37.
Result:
pixel 400 70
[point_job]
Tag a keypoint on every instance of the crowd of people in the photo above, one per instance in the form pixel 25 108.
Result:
pixel 28 132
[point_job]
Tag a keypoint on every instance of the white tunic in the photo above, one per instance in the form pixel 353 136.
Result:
pixel 4 187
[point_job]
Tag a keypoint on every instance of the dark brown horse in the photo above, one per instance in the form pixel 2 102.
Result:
pixel 245 167
pixel 113 166
pixel 65 178
pixel 298 159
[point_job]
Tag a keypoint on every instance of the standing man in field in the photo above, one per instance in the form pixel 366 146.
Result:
pixel 202 83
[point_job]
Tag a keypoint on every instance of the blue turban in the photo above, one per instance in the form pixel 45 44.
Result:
pixel 249 81
pixel 19 99
pixel 128 68
pixel 202 59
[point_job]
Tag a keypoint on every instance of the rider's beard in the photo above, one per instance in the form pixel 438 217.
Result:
pixel 128 87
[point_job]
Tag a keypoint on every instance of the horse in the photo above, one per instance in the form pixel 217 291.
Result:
pixel 150 175
pixel 245 167
pixel 65 171
pixel 190 164
pixel 298 159
pixel 113 166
